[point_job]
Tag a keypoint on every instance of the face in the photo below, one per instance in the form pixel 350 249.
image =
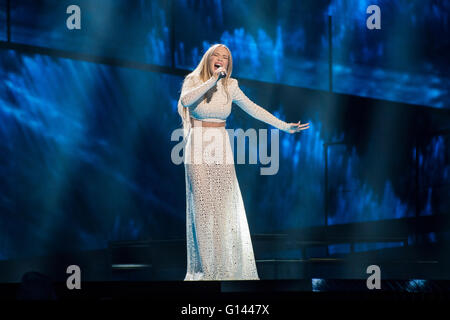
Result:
pixel 219 58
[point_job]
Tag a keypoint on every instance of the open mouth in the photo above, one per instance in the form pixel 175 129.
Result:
pixel 217 66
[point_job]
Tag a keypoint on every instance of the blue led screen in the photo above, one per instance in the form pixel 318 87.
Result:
pixel 3 27
pixel 286 42
pixel 274 41
pixel 405 60
pixel 128 30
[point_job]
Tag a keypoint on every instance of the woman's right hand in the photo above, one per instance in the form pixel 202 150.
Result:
pixel 217 72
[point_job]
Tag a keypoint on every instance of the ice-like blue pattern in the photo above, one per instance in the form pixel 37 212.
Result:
pixel 132 31
pixel 279 42
pixel 397 63
pixel 77 168
pixel 3 34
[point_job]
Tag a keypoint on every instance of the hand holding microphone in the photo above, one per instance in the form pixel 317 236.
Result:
pixel 220 73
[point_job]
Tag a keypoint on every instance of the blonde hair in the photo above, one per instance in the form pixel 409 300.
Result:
pixel 203 72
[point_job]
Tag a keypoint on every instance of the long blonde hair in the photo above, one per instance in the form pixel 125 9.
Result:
pixel 203 72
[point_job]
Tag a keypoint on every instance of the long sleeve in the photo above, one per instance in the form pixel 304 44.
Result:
pixel 256 111
pixel 190 93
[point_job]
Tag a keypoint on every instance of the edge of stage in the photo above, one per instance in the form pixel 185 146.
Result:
pixel 135 271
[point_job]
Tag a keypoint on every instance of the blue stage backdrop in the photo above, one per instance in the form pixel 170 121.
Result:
pixel 131 30
pixel 85 147
pixel 3 35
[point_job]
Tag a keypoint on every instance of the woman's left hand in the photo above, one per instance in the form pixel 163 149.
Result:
pixel 297 127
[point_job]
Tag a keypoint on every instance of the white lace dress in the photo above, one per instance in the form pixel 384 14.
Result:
pixel 219 246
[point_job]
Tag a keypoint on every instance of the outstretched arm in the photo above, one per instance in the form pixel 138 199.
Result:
pixel 256 111
pixel 262 114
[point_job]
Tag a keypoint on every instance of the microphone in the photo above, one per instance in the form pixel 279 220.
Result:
pixel 222 74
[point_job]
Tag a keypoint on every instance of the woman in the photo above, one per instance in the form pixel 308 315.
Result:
pixel 218 239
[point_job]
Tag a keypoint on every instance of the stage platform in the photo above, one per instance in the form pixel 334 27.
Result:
pixel 155 270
